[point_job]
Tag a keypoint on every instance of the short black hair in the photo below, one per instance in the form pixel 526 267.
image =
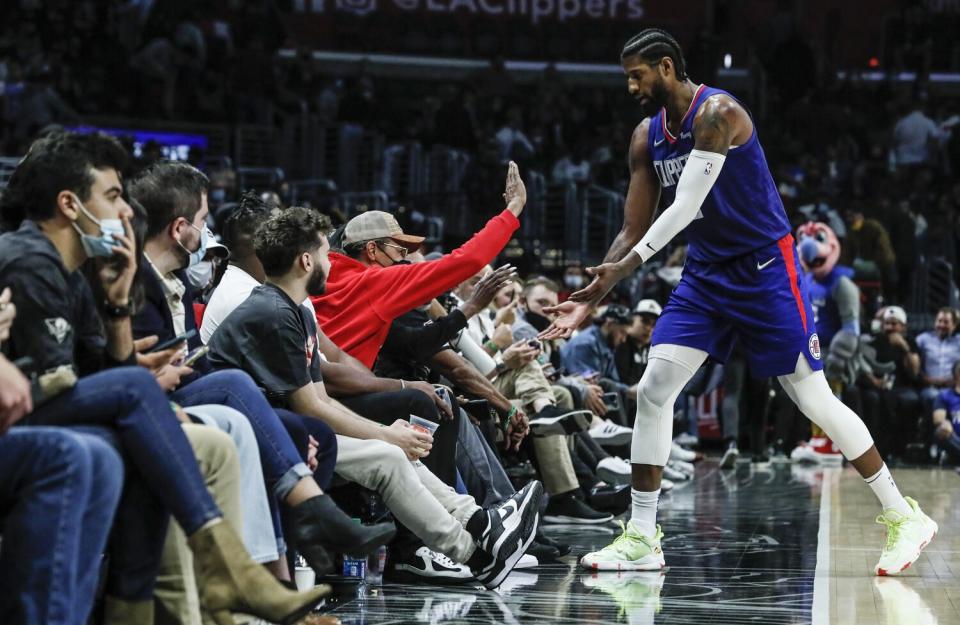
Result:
pixel 243 222
pixel 58 161
pixel 169 190
pixel 653 44
pixel 286 236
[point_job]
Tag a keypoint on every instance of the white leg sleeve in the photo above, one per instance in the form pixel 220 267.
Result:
pixel 811 393
pixel 669 369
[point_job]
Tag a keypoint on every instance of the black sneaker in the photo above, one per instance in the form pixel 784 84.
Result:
pixel 552 420
pixel 543 539
pixel 427 565
pixel 568 509
pixel 512 529
pixel 511 521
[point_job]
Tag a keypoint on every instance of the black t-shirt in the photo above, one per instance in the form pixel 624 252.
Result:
pixel 273 339
pixel 413 339
pixel 887 352
pixel 631 361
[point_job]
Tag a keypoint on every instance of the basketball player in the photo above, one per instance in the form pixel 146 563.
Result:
pixel 741 281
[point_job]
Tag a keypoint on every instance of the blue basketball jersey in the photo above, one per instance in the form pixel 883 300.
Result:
pixel 742 212
pixel 826 314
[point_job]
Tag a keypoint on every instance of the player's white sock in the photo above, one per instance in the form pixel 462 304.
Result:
pixel 886 490
pixel 644 510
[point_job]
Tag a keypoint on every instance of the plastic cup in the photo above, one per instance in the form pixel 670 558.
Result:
pixel 423 425
pixel 305 578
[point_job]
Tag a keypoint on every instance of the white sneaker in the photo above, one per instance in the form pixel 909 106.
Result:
pixel 527 561
pixel 666 485
pixel 614 471
pixel 804 454
pixel 679 453
pixel 729 459
pixel 609 433
pixel 687 440
pixel 906 538
pixel 674 475
pixel 685 467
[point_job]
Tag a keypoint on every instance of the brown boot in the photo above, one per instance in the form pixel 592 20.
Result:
pixel 229 581
pixel 120 612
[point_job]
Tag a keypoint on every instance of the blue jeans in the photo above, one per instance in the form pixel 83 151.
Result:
pixel 300 428
pixel 129 400
pixel 58 493
pixel 282 466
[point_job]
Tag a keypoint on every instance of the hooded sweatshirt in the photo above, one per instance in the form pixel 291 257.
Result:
pixel 362 301
pixel 57 321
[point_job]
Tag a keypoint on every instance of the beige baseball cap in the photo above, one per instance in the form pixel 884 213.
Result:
pixel 896 313
pixel 378 225
pixel 648 307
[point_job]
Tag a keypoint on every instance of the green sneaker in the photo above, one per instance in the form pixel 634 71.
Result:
pixel 632 551
pixel 637 593
pixel 906 538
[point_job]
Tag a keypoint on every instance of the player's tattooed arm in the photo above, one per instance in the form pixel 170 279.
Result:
pixel 720 123
pixel 643 195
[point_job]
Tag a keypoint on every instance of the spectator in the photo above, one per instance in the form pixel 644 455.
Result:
pixel 175 198
pixel 895 395
pixel 284 359
pixel 592 351
pixel 68 190
pixel 946 418
pixel 868 250
pixel 916 137
pixel 939 351
pixel 632 354
pixel 370 286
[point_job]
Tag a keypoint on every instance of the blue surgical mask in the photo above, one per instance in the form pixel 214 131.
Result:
pixel 101 246
pixel 197 256
pixel 218 196
pixel 201 274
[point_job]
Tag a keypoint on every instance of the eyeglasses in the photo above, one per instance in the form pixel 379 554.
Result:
pixel 403 251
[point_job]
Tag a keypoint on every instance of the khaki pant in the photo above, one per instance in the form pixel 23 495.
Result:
pixel 527 386
pixel 176 599
pixel 433 511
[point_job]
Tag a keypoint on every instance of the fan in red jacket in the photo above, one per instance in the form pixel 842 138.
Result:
pixel 368 287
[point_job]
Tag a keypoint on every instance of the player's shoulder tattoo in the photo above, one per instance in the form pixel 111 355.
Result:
pixel 714 124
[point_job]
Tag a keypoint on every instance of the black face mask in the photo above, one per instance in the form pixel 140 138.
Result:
pixel 539 322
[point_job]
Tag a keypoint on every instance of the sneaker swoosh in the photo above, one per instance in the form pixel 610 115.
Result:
pixel 656 143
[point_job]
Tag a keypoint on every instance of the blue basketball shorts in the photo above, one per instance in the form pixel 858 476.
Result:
pixel 759 299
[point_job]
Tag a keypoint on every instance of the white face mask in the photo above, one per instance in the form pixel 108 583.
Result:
pixel 573 281
pixel 201 274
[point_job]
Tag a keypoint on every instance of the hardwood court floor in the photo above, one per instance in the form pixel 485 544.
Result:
pixel 743 546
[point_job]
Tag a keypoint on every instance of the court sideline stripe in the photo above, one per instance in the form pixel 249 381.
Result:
pixel 821 579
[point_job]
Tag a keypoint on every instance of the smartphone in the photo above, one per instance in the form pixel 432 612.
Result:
pixel 612 401
pixel 535 344
pixel 183 338
pixel 195 355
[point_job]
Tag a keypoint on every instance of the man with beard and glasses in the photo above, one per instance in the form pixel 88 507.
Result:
pixel 273 337
pixel 742 281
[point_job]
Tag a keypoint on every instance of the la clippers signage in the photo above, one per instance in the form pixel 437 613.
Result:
pixel 534 11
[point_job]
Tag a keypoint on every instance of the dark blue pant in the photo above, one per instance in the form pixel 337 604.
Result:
pixel 162 476
pixel 300 428
pixel 236 389
pixel 58 492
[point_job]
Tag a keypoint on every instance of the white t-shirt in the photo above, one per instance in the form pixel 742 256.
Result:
pixel 235 287
pixel 911 138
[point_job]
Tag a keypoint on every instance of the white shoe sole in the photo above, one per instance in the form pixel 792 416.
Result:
pixel 617 440
pixel 612 477
pixel 571 520
pixel 535 491
pixel 895 571
pixel 567 423
pixel 648 563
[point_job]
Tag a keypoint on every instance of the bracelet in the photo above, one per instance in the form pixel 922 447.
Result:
pixel 492 346
pixel 506 420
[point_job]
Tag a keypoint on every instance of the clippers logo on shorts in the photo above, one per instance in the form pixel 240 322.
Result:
pixel 814 345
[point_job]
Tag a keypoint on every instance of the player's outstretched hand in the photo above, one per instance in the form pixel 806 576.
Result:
pixel 569 317
pixel 515 192
pixel 604 277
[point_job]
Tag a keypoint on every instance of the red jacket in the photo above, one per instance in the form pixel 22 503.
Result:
pixel 361 302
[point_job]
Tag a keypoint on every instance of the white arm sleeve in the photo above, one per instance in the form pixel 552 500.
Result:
pixel 698 176
pixel 474 353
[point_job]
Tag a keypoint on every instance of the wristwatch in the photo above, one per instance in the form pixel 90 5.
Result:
pixel 116 312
